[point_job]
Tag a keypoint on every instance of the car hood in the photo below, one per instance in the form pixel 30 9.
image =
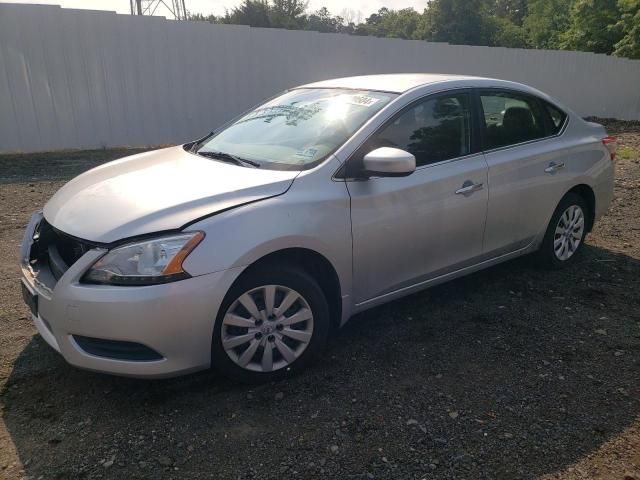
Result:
pixel 154 191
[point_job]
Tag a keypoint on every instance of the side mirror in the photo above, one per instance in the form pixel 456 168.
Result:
pixel 389 162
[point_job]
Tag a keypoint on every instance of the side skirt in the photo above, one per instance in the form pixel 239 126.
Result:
pixel 402 292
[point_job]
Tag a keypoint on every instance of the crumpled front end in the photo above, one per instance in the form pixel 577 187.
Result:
pixel 146 331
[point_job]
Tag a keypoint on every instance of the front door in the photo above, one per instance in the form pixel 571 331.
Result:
pixel 409 229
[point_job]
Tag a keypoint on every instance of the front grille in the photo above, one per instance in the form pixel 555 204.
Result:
pixel 55 248
pixel 69 248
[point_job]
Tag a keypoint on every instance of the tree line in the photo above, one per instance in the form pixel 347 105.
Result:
pixel 600 26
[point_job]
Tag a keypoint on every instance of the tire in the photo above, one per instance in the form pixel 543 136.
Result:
pixel 560 245
pixel 259 332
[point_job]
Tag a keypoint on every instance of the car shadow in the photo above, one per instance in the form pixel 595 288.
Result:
pixel 512 372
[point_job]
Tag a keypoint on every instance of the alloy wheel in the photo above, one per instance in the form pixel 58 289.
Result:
pixel 267 328
pixel 568 233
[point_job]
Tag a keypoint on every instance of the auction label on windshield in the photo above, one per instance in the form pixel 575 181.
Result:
pixel 362 100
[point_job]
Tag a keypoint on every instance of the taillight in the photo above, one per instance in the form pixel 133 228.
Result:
pixel 612 145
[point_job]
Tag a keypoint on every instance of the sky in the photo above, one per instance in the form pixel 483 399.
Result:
pixel 217 7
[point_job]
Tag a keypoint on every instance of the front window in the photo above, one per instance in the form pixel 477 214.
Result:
pixel 433 130
pixel 296 130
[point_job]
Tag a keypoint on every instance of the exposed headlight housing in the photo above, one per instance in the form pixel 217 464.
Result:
pixel 147 262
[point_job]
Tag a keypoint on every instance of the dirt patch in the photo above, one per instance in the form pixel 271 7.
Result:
pixel 512 372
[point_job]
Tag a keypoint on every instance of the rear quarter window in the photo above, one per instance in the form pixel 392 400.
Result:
pixel 557 117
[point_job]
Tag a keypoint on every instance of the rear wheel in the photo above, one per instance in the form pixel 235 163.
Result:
pixel 273 322
pixel 566 231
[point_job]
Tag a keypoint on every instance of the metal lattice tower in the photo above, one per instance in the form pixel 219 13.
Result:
pixel 176 8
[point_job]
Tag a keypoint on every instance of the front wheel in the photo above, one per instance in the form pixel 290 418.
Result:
pixel 566 232
pixel 273 322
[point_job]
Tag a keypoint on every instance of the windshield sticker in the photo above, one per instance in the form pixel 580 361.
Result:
pixel 361 100
pixel 308 153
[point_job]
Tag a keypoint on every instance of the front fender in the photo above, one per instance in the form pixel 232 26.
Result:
pixel 312 214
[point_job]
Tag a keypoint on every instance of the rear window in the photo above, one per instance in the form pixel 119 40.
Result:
pixel 511 118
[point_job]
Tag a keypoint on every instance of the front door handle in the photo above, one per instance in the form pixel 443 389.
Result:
pixel 554 167
pixel 469 187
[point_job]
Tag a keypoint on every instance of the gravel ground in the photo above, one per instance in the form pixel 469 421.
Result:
pixel 512 372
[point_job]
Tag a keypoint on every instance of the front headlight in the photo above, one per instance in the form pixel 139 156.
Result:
pixel 148 262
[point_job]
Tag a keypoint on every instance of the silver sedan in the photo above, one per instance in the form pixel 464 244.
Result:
pixel 242 250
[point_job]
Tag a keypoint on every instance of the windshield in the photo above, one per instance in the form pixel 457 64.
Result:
pixel 296 130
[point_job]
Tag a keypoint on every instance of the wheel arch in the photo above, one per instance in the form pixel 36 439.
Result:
pixel 587 193
pixel 313 263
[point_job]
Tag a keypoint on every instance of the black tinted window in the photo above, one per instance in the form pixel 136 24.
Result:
pixel 434 130
pixel 557 117
pixel 511 118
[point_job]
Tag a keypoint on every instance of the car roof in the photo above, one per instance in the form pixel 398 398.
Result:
pixel 394 82
pixel 403 82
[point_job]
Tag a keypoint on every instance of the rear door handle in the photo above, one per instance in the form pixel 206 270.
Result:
pixel 469 187
pixel 554 167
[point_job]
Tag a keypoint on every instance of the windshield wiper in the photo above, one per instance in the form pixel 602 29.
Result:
pixel 193 147
pixel 228 157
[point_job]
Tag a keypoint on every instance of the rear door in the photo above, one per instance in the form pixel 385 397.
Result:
pixel 526 159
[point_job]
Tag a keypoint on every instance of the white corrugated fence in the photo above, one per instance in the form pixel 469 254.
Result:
pixel 89 79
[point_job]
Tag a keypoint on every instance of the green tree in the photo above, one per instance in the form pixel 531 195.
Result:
pixel 629 28
pixel 545 22
pixel 290 8
pixel 402 23
pixel 601 26
pixel 322 21
pixel 391 23
pixel 592 26
pixel 513 10
pixel 254 13
pixel 288 14
pixel 374 24
pixel 198 17
pixel 462 22
pixel 504 33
